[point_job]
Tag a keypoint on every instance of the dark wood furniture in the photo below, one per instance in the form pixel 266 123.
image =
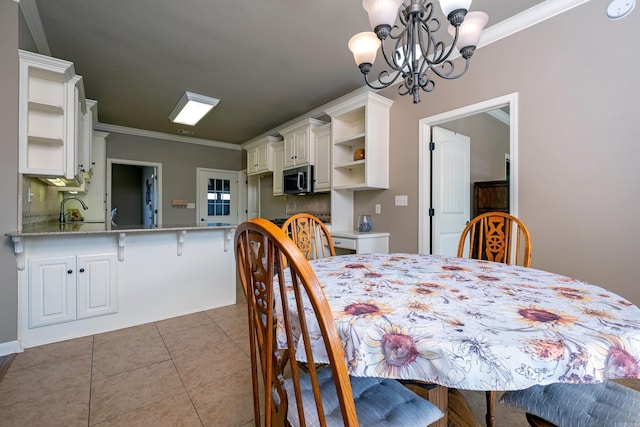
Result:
pixel 490 196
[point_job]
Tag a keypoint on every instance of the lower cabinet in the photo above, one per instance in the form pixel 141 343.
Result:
pixel 63 289
pixel 360 243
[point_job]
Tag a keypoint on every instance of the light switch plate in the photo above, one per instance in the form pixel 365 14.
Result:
pixel 402 200
pixel 191 205
pixel 378 208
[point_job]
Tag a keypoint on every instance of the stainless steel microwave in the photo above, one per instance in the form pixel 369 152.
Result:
pixel 298 180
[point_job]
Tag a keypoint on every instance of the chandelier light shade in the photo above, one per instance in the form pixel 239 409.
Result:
pixel 469 31
pixel 364 47
pixel 411 49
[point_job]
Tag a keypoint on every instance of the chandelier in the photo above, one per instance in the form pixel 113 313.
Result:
pixel 411 50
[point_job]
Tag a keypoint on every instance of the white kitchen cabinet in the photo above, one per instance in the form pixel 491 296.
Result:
pixel 299 143
pixel 322 170
pixel 361 123
pixel 68 288
pixel 260 155
pixel 85 140
pixel 278 167
pixel 93 188
pixel 51 99
pixel 361 243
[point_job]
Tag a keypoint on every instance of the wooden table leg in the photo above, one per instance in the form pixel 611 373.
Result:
pixel 491 405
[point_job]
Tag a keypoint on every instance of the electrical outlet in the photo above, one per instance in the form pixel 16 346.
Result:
pixel 402 200
pixel 378 208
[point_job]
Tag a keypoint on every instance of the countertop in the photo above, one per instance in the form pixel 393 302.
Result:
pixel 76 228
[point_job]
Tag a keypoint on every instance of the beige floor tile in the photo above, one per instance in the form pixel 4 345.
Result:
pixel 180 324
pixel 234 311
pixel 177 411
pixel 203 367
pixel 194 339
pixel 29 383
pixel 52 353
pixel 236 328
pixel 66 408
pixel 227 401
pixel 141 332
pixel 243 343
pixel 132 390
pixel 125 353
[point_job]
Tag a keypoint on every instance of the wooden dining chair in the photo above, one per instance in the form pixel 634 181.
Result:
pixel 323 396
pixel 310 234
pixel 500 237
pixel 497 236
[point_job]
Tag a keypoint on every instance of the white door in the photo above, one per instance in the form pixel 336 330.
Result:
pixel 450 189
pixel 218 198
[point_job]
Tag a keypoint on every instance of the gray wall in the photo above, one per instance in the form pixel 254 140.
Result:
pixel 576 75
pixel 179 162
pixel 9 80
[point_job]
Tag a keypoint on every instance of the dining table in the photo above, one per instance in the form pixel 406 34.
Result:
pixel 472 324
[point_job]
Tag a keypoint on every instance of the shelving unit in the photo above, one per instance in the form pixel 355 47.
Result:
pixel 47 111
pixel 361 123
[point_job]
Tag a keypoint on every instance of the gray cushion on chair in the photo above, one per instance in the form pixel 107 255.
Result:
pixel 580 405
pixel 378 402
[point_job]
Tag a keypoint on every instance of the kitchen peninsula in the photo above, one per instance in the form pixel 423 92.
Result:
pixel 79 279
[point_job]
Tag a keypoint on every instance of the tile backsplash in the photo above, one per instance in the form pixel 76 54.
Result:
pixel 315 204
pixel 42 205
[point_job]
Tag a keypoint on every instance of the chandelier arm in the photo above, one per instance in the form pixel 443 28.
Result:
pixel 439 49
pixel 382 84
pixel 448 75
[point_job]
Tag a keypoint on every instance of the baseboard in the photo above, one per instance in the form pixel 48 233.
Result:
pixel 10 347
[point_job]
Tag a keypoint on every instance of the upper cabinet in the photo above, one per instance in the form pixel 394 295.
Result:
pixel 260 155
pixel 360 129
pixel 278 167
pixel 322 171
pixel 299 143
pixel 52 114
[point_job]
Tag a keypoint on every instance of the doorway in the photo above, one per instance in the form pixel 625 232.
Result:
pixel 428 222
pixel 133 193
pixel 217 198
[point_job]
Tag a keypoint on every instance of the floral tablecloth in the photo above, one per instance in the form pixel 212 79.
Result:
pixel 475 325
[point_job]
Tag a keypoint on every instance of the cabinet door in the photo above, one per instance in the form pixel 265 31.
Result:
pixel 289 151
pixel 302 147
pixel 278 166
pixel 262 158
pixel 97 285
pixel 52 291
pixel 252 161
pixel 323 158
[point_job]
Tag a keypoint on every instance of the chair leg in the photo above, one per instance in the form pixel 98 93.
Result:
pixel 491 404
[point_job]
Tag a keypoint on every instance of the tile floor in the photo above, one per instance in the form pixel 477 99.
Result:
pixel 187 371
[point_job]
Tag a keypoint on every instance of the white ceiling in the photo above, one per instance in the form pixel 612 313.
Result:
pixel 268 61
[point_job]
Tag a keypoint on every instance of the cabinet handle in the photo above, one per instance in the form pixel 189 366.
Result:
pixel 82 270
pixel 69 271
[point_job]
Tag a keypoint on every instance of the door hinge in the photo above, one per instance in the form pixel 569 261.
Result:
pixel 432 146
pixel 432 212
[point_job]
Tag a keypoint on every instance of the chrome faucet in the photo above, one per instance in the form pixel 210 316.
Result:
pixel 62 218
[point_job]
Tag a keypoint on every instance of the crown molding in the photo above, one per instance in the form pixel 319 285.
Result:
pixel 32 17
pixel 105 127
pixel 532 16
